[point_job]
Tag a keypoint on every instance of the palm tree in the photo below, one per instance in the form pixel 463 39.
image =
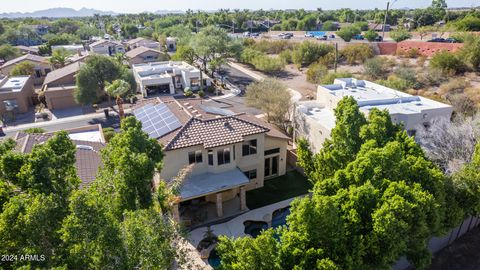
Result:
pixel 118 89
pixel 59 58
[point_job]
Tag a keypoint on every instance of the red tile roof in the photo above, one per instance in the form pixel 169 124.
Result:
pixel 214 132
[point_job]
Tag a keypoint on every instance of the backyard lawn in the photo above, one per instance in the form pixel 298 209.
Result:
pixel 290 185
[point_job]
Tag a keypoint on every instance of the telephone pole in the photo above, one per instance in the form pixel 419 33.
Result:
pixel 385 21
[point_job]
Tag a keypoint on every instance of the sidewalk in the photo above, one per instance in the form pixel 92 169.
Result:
pixel 296 96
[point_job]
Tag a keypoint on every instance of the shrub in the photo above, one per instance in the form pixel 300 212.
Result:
pixel 400 35
pixel 261 61
pixel 469 23
pixel 272 47
pixel 34 130
pixel 188 92
pixel 363 26
pixel 210 89
pixel 286 56
pixel 471 51
pixel 330 77
pixel 432 77
pixel 201 93
pixel 316 72
pixel 327 60
pixel 421 61
pixel 455 85
pixel 395 82
pixel 347 33
pixel 309 52
pixel 409 75
pixel 411 53
pixel 448 63
pixel 357 53
pixel 108 133
pixel 375 68
pixel 371 35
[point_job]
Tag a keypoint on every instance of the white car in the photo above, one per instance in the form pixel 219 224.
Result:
pixel 309 35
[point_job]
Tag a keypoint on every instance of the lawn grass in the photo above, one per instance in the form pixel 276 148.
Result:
pixel 290 185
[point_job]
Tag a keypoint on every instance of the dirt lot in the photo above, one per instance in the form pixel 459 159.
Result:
pixel 463 254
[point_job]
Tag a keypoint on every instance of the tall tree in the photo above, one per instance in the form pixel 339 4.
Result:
pixel 59 58
pixel 118 89
pixel 91 78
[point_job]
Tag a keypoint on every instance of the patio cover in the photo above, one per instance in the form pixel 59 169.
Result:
pixel 207 183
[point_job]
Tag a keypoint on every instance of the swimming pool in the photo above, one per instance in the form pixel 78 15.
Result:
pixel 254 228
pixel 279 217
pixel 214 259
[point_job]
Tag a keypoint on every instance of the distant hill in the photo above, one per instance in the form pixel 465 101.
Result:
pixel 57 13
pixel 169 12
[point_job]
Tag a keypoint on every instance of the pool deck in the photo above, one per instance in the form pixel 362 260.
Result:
pixel 235 227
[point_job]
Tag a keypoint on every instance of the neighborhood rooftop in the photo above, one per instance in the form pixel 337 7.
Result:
pixel 13 84
pixel 28 56
pixel 371 95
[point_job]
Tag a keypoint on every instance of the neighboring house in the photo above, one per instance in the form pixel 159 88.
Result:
pixel 171 44
pixel 378 27
pixel 59 86
pixel 167 77
pixel 315 119
pixel 229 155
pixel 27 50
pixel 16 94
pixel 142 42
pixel 88 140
pixel 108 47
pixel 41 69
pixel 141 55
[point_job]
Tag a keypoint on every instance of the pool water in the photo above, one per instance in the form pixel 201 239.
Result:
pixel 254 228
pixel 279 217
pixel 214 259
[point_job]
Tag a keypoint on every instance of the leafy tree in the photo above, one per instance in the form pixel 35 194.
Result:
pixel 377 200
pixel 7 52
pixel 469 23
pixel 92 76
pixel 400 34
pixel 273 98
pixel 130 160
pixel 23 69
pixel 185 53
pixel 59 58
pixel 86 32
pixel 467 183
pixel 347 33
pixel 471 51
pixel 329 26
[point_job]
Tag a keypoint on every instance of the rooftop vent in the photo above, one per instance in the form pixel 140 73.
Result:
pixel 84 147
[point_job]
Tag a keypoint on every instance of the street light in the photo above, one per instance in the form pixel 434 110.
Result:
pixel 385 20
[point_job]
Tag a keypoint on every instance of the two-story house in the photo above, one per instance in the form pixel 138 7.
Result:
pixel 228 155
pixel 142 54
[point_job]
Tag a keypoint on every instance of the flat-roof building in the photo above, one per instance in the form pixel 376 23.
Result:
pixel 167 77
pixel 315 119
pixel 16 94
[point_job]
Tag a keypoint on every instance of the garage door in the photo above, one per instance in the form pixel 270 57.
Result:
pixel 61 102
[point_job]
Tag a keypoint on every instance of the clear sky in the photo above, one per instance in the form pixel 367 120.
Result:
pixel 153 5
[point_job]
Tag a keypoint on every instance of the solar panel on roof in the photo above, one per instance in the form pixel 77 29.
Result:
pixel 157 120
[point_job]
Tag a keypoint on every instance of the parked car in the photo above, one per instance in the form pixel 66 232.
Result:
pixel 358 37
pixel 332 36
pixel 451 40
pixel 309 35
pixel 324 37
pixel 246 34
pixel 378 38
pixel 437 40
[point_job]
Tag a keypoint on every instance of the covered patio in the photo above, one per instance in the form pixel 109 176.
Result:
pixel 211 196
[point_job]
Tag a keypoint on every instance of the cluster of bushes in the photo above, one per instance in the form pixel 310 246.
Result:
pixel 357 53
pixel 262 61
pixel 347 33
pixel 309 52
pixel 270 47
pixel 400 34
